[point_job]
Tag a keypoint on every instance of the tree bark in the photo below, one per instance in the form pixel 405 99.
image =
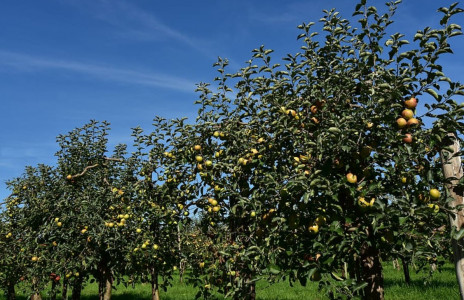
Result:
pixel 252 291
pixel 105 283
pixel 64 291
pixel 372 273
pixel 407 277
pixel 53 291
pixel 77 289
pixel 35 296
pixel 154 285
pixel 109 287
pixel 10 292
pixel 452 168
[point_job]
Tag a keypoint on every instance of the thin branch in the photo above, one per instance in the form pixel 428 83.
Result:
pixel 84 171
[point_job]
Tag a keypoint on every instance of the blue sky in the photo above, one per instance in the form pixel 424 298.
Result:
pixel 64 62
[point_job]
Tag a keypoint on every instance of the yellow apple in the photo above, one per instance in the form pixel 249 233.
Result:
pixel 351 178
pixel 407 114
pixel 434 194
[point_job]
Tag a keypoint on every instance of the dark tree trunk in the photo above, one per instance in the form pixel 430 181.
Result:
pixel 252 291
pixel 77 289
pixel 53 291
pixel 407 278
pixel 372 273
pixel 154 285
pixel 10 292
pixel 64 291
pixel 105 282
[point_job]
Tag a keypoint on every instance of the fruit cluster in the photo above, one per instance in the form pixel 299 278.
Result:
pixel 407 119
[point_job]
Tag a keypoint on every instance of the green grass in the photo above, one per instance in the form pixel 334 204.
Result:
pixel 441 286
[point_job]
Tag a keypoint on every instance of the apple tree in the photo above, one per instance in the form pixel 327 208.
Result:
pixel 335 153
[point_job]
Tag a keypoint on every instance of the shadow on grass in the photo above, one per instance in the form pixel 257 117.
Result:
pixel 419 283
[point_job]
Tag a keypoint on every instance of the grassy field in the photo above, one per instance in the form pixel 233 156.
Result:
pixel 442 286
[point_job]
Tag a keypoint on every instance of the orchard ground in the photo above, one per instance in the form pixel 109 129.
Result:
pixel 442 285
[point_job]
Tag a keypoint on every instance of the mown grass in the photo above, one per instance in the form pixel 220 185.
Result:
pixel 441 286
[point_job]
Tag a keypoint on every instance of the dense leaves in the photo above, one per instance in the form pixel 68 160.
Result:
pixel 315 168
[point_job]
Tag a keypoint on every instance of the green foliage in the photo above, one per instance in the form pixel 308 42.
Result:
pixel 299 170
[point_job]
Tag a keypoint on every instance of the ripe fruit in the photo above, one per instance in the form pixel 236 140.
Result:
pixel 411 103
pixel 314 109
pixel 370 125
pixel 208 163
pixel 435 208
pixel 212 201
pixel 253 214
pixel 407 138
pixel 434 194
pixel 155 246
pixel 216 208
pixel 413 122
pixel 69 177
pixel 407 114
pixel 351 178
pixel 138 230
pixel 313 229
pixel 199 158
pixel 34 258
pixel 201 265
pixel 401 122
pixel 404 180
pixel 291 112
pixel 59 224
pixel 216 134
pixel 197 147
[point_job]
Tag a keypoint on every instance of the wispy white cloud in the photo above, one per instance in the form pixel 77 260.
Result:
pixel 133 22
pixel 28 63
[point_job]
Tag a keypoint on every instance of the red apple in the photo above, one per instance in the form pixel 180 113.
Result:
pixel 413 122
pixel 407 138
pixel 411 103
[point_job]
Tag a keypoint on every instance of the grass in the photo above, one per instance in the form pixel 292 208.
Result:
pixel 442 285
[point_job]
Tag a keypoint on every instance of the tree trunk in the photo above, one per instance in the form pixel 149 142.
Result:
pixel 10 292
pixel 105 283
pixel 36 297
pixel 405 264
pixel 179 246
pixel 154 285
pixel 372 273
pixel 452 168
pixel 252 291
pixel 77 289
pixel 109 287
pixel 53 291
pixel 64 291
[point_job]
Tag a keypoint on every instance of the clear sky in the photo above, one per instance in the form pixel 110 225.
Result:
pixel 64 62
